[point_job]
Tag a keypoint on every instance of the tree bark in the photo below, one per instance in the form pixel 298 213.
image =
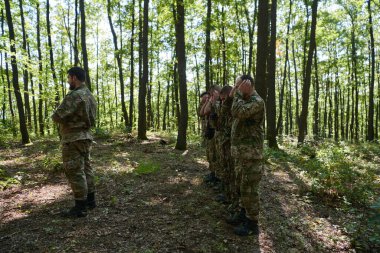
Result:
pixel 271 102
pixel 371 105
pixel 132 74
pixel 306 86
pixel 120 67
pixel 40 87
pixel 262 49
pixel 16 87
pixel 145 75
pixel 181 58
pixel 208 46
pixel 83 42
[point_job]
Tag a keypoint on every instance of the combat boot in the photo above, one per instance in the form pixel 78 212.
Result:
pixel 91 203
pixel 79 210
pixel 247 227
pixel 237 217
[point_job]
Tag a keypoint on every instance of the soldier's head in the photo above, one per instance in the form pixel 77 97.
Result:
pixel 75 77
pixel 224 93
pixel 204 96
pixel 214 90
pixel 249 78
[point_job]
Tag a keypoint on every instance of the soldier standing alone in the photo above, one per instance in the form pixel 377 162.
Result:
pixel 75 116
pixel 247 138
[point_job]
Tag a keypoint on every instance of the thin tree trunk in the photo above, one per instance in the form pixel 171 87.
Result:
pixel 132 75
pixel 40 87
pixel 83 42
pixel 145 75
pixel 52 67
pixel 371 134
pixel 306 86
pixel 181 58
pixel 28 116
pixel 75 46
pixel 20 106
pixel 208 46
pixel 316 99
pixel 119 65
pixel 271 102
pixel 296 83
pixel 242 35
pixel 251 32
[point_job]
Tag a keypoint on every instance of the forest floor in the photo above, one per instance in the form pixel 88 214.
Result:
pixel 151 198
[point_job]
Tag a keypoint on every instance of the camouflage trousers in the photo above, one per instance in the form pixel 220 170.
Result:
pixel 248 175
pixel 225 167
pixel 77 167
pixel 211 154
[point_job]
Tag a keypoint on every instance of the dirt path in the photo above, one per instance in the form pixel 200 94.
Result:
pixel 164 208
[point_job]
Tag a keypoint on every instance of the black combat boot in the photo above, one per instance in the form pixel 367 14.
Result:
pixel 237 217
pixel 79 210
pixel 247 227
pixel 91 203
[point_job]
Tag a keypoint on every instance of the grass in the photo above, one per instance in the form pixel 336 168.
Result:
pixel 147 167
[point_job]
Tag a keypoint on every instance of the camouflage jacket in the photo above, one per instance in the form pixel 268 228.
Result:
pixel 247 131
pixel 76 115
pixel 225 120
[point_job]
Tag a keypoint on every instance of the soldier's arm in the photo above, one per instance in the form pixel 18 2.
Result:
pixel 66 109
pixel 244 108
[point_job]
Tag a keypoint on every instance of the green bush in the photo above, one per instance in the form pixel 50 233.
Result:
pixel 147 167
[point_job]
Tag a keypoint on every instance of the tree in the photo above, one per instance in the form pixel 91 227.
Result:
pixel 119 65
pixel 145 75
pixel 271 102
pixel 262 48
pixel 208 45
pixel 179 15
pixel 307 80
pixel 83 42
pixel 16 87
pixel 371 132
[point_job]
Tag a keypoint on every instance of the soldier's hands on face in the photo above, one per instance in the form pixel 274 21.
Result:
pixel 204 99
pixel 246 88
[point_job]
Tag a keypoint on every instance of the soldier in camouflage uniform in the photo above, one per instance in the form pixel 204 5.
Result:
pixel 247 138
pixel 225 169
pixel 209 111
pixel 75 116
pixel 203 99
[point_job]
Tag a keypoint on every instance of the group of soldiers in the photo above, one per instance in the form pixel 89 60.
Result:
pixel 233 133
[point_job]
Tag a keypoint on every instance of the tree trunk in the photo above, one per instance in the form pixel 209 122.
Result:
pixel 316 99
pixel 251 32
pixel 145 75
pixel 75 45
pixel 271 102
pixel 28 116
pixel 371 133
pixel 132 75
pixel 306 86
pixel 296 83
pixel 51 54
pixel 83 42
pixel 208 46
pixel 181 58
pixel 40 87
pixel 262 49
pixel 120 67
pixel 20 106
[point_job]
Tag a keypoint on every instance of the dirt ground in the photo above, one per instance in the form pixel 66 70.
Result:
pixel 166 209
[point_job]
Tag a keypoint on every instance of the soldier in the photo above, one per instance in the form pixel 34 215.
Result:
pixel 209 111
pixel 75 116
pixel 203 99
pixel 247 138
pixel 225 164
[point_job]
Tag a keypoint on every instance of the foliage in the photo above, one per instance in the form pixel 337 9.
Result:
pixel 147 167
pixel 334 171
pixel 6 180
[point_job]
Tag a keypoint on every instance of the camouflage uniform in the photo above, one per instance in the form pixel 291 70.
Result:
pixel 211 143
pixel 76 115
pixel 247 138
pixel 203 126
pixel 226 171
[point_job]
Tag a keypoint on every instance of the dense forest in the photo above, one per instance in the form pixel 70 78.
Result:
pixel 315 62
